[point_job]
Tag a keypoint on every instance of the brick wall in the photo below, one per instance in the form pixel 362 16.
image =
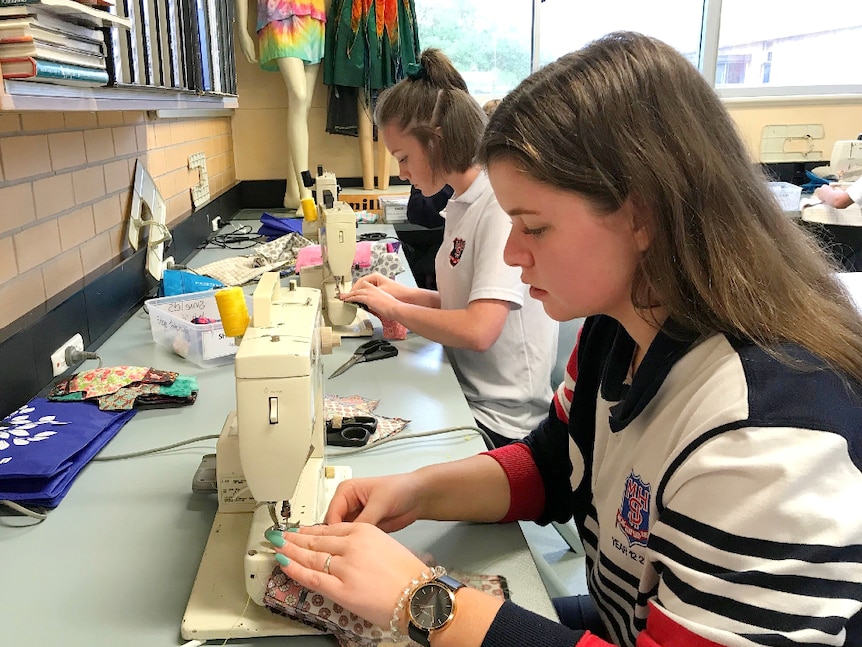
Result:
pixel 65 186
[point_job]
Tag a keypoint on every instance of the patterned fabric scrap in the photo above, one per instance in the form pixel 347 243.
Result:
pixel 122 388
pixel 44 445
pixel 355 405
pixel 287 597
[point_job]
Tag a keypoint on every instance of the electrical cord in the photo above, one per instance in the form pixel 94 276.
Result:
pixel 166 238
pixel 385 441
pixel 75 356
pixel 156 450
pixel 424 434
pixel 241 237
pixel 27 512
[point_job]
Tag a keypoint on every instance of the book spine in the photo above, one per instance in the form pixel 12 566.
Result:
pixel 52 70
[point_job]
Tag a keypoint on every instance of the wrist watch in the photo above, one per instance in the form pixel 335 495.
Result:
pixel 430 608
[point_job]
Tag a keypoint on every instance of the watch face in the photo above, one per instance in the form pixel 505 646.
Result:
pixel 431 606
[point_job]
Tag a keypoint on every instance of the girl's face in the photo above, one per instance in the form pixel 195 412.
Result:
pixel 576 262
pixel 412 161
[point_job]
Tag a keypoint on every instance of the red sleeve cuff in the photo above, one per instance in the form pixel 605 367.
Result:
pixel 525 483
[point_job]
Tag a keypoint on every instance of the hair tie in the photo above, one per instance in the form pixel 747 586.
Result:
pixel 415 71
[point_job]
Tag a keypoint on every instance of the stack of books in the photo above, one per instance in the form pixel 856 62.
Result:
pixel 54 41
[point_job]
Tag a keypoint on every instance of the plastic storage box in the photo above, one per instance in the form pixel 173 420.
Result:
pixel 204 344
pixel 394 208
pixel 787 195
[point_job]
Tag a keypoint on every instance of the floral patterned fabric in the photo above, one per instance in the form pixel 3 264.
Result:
pixel 44 445
pixel 120 388
pixel 289 598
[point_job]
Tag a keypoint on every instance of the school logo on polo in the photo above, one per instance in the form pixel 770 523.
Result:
pixel 457 249
pixel 633 514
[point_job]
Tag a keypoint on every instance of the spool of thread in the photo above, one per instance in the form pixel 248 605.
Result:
pixel 309 209
pixel 233 311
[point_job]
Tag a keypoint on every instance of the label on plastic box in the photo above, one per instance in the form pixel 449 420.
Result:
pixel 216 344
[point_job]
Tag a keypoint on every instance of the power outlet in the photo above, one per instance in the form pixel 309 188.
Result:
pixel 58 357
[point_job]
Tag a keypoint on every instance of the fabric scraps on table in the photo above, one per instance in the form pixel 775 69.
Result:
pixel 287 597
pixel 274 227
pixel 44 445
pixel 279 254
pixel 370 257
pixel 313 255
pixel 120 388
pixel 355 405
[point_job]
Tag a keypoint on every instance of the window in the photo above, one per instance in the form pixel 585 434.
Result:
pixel 768 47
pixel 488 41
pixel 785 43
pixel 566 25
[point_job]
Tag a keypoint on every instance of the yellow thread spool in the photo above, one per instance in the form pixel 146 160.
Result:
pixel 309 209
pixel 233 310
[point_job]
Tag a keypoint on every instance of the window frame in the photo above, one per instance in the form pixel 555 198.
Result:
pixel 708 64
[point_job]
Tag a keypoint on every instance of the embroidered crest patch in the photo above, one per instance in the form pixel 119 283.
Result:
pixel 457 250
pixel 633 514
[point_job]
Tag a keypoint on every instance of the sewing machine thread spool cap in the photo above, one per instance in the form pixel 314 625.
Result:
pixel 233 311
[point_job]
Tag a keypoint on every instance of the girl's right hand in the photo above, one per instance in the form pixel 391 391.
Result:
pixel 388 502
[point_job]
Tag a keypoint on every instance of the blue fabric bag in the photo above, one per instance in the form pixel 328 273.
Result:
pixel 176 282
pixel 44 445
pixel 273 227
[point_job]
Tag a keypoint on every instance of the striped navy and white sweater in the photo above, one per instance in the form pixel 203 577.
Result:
pixel 717 495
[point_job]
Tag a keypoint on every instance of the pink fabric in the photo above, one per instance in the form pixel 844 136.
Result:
pixel 393 329
pixel 312 256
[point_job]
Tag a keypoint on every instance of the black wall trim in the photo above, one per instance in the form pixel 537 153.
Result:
pixel 269 194
pixel 96 310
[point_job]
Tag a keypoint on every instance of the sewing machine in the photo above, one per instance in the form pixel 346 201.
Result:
pixel 846 159
pixel 269 463
pixel 336 231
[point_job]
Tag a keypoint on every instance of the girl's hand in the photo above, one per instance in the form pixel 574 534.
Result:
pixel 380 302
pixel 389 502
pixel 367 570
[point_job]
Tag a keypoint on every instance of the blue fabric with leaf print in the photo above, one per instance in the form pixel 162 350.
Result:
pixel 44 445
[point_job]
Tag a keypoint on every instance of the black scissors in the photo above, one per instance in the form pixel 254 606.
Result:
pixel 350 432
pixel 368 352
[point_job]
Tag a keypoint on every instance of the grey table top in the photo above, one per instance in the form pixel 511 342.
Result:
pixel 114 563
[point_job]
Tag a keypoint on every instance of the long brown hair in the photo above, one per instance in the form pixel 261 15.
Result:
pixel 432 104
pixel 628 117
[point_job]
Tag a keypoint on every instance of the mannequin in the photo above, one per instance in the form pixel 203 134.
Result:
pixel 366 149
pixel 291 39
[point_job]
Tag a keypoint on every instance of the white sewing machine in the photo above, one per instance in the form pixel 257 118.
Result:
pixel 846 159
pixel 336 223
pixel 269 463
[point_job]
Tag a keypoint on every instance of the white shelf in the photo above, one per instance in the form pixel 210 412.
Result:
pixel 30 95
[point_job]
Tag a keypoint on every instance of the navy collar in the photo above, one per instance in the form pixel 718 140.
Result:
pixel 666 350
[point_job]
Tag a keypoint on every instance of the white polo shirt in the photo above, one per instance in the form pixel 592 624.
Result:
pixel 508 386
pixel 849 216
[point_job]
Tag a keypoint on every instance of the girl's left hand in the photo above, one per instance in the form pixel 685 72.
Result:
pixel 380 302
pixel 368 569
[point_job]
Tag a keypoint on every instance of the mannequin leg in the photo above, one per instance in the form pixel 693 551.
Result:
pixel 383 158
pixel 366 141
pixel 299 80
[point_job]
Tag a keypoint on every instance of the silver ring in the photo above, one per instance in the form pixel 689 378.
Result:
pixel 326 564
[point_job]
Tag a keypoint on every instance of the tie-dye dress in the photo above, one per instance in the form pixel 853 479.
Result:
pixel 287 29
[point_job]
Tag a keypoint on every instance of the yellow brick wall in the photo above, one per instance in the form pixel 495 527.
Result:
pixel 65 186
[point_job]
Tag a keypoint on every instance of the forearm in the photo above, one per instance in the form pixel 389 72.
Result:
pixel 475 612
pixel 474 328
pixel 834 197
pixel 418 297
pixel 471 489
pixel 241 9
